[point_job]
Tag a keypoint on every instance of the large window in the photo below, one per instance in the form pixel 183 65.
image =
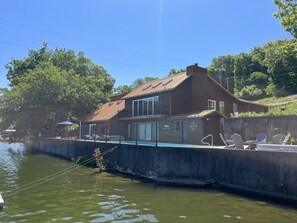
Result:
pixel 146 106
pixel 211 105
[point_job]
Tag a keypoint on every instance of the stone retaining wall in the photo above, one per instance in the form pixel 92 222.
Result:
pixel 264 172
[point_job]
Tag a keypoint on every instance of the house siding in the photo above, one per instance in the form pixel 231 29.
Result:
pixel 204 88
pixel 181 98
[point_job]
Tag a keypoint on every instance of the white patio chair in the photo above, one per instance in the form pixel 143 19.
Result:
pixel 229 143
pixel 238 142
pixel 277 139
pixel 287 139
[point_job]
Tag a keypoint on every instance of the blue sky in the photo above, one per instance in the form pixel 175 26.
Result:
pixel 137 38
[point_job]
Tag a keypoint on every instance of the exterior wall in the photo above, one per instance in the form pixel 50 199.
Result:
pixel 200 91
pixel 273 174
pixel 111 127
pixel 204 88
pixel 181 98
pixel 190 131
pixel 248 128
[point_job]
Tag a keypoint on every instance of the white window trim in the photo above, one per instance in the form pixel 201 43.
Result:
pixel 147 104
pixel 221 104
pixel 215 104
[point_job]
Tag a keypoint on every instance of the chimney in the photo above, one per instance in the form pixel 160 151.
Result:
pixel 195 69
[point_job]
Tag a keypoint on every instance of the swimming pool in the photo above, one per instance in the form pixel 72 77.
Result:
pixel 163 144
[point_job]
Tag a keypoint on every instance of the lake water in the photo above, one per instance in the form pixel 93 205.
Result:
pixel 84 196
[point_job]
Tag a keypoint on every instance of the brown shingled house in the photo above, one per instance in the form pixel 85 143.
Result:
pixel 104 120
pixel 180 109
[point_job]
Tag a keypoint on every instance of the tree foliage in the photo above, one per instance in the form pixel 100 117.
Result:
pixel 174 71
pixel 222 70
pixel 128 88
pixel 51 86
pixel 287 12
pixel 271 68
pixel 281 60
pixel 251 92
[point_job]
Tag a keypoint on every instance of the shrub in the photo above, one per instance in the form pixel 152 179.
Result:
pixel 251 92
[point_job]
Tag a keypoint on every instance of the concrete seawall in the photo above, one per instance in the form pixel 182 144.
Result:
pixel 268 173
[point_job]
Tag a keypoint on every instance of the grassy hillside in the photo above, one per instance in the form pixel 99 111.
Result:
pixel 277 106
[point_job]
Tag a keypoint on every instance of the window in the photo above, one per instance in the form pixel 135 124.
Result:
pixel 177 126
pixel 222 107
pixel 140 108
pixel 156 105
pixel 235 107
pixel 129 130
pixel 211 105
pixel 135 108
pixel 145 131
pixel 150 107
pixel 146 106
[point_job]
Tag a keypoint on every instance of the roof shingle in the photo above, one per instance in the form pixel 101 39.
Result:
pixel 106 112
pixel 157 86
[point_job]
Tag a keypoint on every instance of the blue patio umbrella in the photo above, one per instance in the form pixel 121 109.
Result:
pixel 65 123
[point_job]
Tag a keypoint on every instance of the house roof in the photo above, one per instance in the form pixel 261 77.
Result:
pixel 157 86
pixel 198 114
pixel 106 111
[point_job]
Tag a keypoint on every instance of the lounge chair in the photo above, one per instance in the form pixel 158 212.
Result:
pixel 227 136
pixel 238 142
pixel 96 137
pixel 228 144
pixel 277 139
pixel 287 139
pixel 87 137
pixel 261 138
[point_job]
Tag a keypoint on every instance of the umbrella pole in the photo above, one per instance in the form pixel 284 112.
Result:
pixel 79 130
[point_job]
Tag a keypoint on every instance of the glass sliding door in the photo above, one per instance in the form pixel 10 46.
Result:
pixel 145 131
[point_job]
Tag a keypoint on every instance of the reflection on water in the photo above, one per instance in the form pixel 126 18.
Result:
pixel 83 196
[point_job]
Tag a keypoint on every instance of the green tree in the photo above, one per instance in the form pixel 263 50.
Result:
pixel 128 88
pixel 59 85
pixel 122 89
pixel 222 70
pixel 251 92
pixel 140 81
pixel 258 79
pixel 242 70
pixel 287 12
pixel 281 60
pixel 174 71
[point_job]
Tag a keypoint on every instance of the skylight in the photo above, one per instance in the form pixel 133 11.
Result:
pixel 146 87
pixel 167 82
pixel 157 85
